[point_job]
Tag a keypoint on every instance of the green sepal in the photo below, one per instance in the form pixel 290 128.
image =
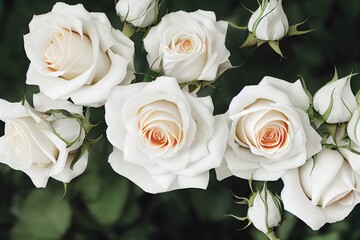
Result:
pixel 85 146
pixel 250 41
pixel 236 217
pixel 251 11
pixel 316 119
pixel 65 190
pixel 128 29
pixel 260 42
pixel 329 109
pixel 293 31
pixel 330 146
pixel 65 113
pixel 271 235
pixel 83 121
pixel 335 77
pixel 233 25
pixel 348 147
pixel 303 83
pixel 332 128
pixel 314 164
pixel 194 85
pixel 276 47
pixel 240 219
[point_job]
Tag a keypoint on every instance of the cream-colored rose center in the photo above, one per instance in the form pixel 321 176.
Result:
pixel 72 54
pixel 273 135
pixel 160 124
pixel 262 127
pixel 186 43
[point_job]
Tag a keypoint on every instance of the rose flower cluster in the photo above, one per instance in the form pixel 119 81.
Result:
pixel 164 136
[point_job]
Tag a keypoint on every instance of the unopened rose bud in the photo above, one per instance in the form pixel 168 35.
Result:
pixel 265 213
pixel 140 13
pixel 269 21
pixel 335 101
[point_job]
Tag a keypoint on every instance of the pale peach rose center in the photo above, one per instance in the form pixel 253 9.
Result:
pixel 272 136
pixel 185 45
pixel 160 124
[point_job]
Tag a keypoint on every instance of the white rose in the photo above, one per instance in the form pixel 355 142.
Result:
pixel 188 46
pixel 140 13
pixel 270 131
pixel 335 101
pixel 164 139
pixel 42 145
pixel 322 191
pixel 265 213
pixel 77 54
pixel 269 21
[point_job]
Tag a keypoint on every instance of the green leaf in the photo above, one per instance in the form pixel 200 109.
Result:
pixel 89 186
pixel 42 216
pixel 276 47
pixel 131 213
pixel 285 230
pixel 111 203
pixel 358 97
pixel 211 205
pixel 250 41
pixel 330 236
pixel 293 31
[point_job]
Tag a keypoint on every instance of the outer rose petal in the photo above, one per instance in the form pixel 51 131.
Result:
pixel 133 172
pixel 294 91
pixel 68 174
pixel 216 145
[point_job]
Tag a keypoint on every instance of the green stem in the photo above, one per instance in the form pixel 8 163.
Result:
pixel 271 235
pixel 128 29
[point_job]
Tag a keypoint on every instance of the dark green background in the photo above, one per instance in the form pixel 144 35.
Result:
pixel 102 205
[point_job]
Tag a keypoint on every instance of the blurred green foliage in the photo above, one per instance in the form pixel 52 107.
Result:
pixel 102 205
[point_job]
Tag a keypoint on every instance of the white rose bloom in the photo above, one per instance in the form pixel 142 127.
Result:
pixel 269 23
pixel 321 191
pixel 42 145
pixel 188 46
pixel 335 101
pixel 164 139
pixel 140 13
pixel 270 131
pixel 77 54
pixel 265 213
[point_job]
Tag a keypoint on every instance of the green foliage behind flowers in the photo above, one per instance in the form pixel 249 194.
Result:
pixel 102 205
